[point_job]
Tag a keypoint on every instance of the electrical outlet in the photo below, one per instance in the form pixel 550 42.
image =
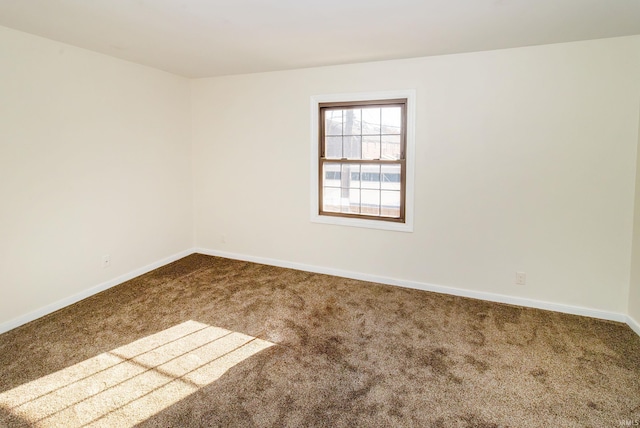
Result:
pixel 106 261
pixel 521 278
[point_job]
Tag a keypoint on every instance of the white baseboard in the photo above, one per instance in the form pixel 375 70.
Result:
pixel 635 325
pixel 492 297
pixel 31 316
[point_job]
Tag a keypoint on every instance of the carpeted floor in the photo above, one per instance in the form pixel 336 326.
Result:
pixel 330 352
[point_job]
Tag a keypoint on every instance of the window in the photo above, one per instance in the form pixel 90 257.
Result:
pixel 363 152
pixel 362 148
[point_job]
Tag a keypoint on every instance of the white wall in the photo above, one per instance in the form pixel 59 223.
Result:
pixel 95 159
pixel 525 162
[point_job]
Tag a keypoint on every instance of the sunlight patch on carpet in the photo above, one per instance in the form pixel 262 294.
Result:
pixel 129 384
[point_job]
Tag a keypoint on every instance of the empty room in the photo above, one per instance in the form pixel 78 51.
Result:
pixel 319 214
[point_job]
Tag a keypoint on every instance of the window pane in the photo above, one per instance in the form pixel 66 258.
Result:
pixel 333 122
pixel 391 120
pixel 371 147
pixel 331 199
pixel 370 177
pixel 391 147
pixel 333 148
pixel 350 200
pixel 352 148
pixel 390 201
pixel 370 203
pixel 331 175
pixel 371 121
pixel 345 200
pixel 390 177
pixel 352 122
pixel 350 176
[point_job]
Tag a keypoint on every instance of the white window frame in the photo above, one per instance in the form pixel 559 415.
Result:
pixel 410 95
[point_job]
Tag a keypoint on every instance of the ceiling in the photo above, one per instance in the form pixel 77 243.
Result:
pixel 201 38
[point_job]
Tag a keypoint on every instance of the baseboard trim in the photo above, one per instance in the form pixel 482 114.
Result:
pixel 492 297
pixel 635 325
pixel 31 316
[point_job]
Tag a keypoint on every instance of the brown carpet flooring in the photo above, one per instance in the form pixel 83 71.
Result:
pixel 347 353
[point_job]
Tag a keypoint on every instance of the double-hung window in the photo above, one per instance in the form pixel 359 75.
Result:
pixel 361 160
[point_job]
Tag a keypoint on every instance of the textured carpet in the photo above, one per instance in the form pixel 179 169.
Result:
pixel 329 352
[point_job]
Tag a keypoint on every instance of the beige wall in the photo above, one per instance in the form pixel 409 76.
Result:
pixel 94 159
pixel 525 161
pixel 634 290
